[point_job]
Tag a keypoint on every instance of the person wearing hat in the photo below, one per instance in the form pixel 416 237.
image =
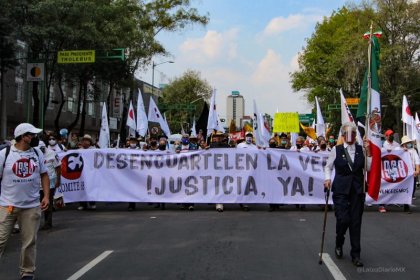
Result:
pixel 21 169
pixel 87 143
pixel 408 145
pixel 389 143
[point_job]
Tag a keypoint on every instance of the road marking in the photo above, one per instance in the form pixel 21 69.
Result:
pixel 332 267
pixel 90 265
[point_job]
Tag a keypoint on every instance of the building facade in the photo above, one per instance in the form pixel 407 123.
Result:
pixel 19 105
pixel 235 108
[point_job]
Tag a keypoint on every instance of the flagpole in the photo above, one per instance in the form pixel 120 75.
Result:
pixel 369 93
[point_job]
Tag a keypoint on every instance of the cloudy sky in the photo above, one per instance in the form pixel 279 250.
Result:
pixel 250 46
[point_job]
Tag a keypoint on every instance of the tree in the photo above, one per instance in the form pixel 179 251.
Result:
pixel 336 55
pixel 48 26
pixel 189 89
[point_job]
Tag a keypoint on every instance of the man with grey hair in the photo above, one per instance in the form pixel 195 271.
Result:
pixel 348 159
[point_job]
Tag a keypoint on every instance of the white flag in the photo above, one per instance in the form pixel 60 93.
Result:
pixel 213 122
pixel 142 123
pixel 155 116
pixel 406 113
pixel 417 130
pixel 193 129
pixel 104 136
pixel 259 139
pixel 320 125
pixel 346 116
pixel 131 119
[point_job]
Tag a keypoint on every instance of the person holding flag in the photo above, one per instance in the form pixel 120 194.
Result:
pixel 348 160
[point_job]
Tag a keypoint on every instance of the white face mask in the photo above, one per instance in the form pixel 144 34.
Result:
pixel 52 142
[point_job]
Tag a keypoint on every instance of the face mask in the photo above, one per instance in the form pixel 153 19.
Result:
pixel 133 145
pixel 162 147
pixel 153 143
pixel 299 146
pixel 323 146
pixel 248 140
pixel 391 138
pixel 409 145
pixel 332 141
pixel 185 141
pixel 52 142
pixel 283 142
pixel 272 145
pixel 34 142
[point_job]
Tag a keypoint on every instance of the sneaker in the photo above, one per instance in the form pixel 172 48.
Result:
pixel 414 198
pixel 219 209
pixel 92 207
pixel 382 209
pixel 369 205
pixel 191 208
pixel 80 208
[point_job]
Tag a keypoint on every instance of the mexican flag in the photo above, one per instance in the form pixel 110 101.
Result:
pixel 373 112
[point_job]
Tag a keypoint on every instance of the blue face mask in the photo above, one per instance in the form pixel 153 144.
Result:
pixel 185 141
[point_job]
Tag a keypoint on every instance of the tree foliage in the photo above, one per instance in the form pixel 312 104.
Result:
pixel 187 89
pixel 48 26
pixel 336 55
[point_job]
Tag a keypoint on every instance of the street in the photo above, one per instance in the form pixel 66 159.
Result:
pixel 203 244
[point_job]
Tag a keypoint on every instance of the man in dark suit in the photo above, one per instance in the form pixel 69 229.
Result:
pixel 348 159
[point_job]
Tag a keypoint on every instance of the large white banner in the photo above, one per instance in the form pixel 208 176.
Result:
pixel 212 176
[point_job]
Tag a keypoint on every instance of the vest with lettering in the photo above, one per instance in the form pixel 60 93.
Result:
pixel 346 178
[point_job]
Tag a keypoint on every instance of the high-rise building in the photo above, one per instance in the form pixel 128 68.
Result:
pixel 235 108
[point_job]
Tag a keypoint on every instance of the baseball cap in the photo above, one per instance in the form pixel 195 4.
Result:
pixel 389 132
pixel 26 128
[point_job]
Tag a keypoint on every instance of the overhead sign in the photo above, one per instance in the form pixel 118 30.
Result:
pixel 286 122
pixel 306 118
pixel 35 72
pixel 352 101
pixel 84 56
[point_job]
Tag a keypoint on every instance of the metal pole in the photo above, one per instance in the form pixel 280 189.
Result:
pixel 153 77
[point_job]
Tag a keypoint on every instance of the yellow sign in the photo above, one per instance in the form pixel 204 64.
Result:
pixel 86 56
pixel 286 122
pixel 352 101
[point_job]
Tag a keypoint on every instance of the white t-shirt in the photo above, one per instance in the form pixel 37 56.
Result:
pixel 390 146
pixel 56 148
pixel 247 146
pixel 21 177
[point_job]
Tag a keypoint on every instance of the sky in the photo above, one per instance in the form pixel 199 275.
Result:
pixel 249 46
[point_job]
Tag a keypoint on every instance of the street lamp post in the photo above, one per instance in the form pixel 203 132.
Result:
pixel 153 72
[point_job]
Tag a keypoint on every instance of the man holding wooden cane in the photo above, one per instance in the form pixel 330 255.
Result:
pixel 348 160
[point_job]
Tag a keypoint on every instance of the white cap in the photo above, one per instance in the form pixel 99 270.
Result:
pixel 26 128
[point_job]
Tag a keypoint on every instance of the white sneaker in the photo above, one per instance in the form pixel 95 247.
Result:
pixel 93 207
pixel 80 208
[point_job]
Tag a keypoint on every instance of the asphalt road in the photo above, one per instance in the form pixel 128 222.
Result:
pixel 204 244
